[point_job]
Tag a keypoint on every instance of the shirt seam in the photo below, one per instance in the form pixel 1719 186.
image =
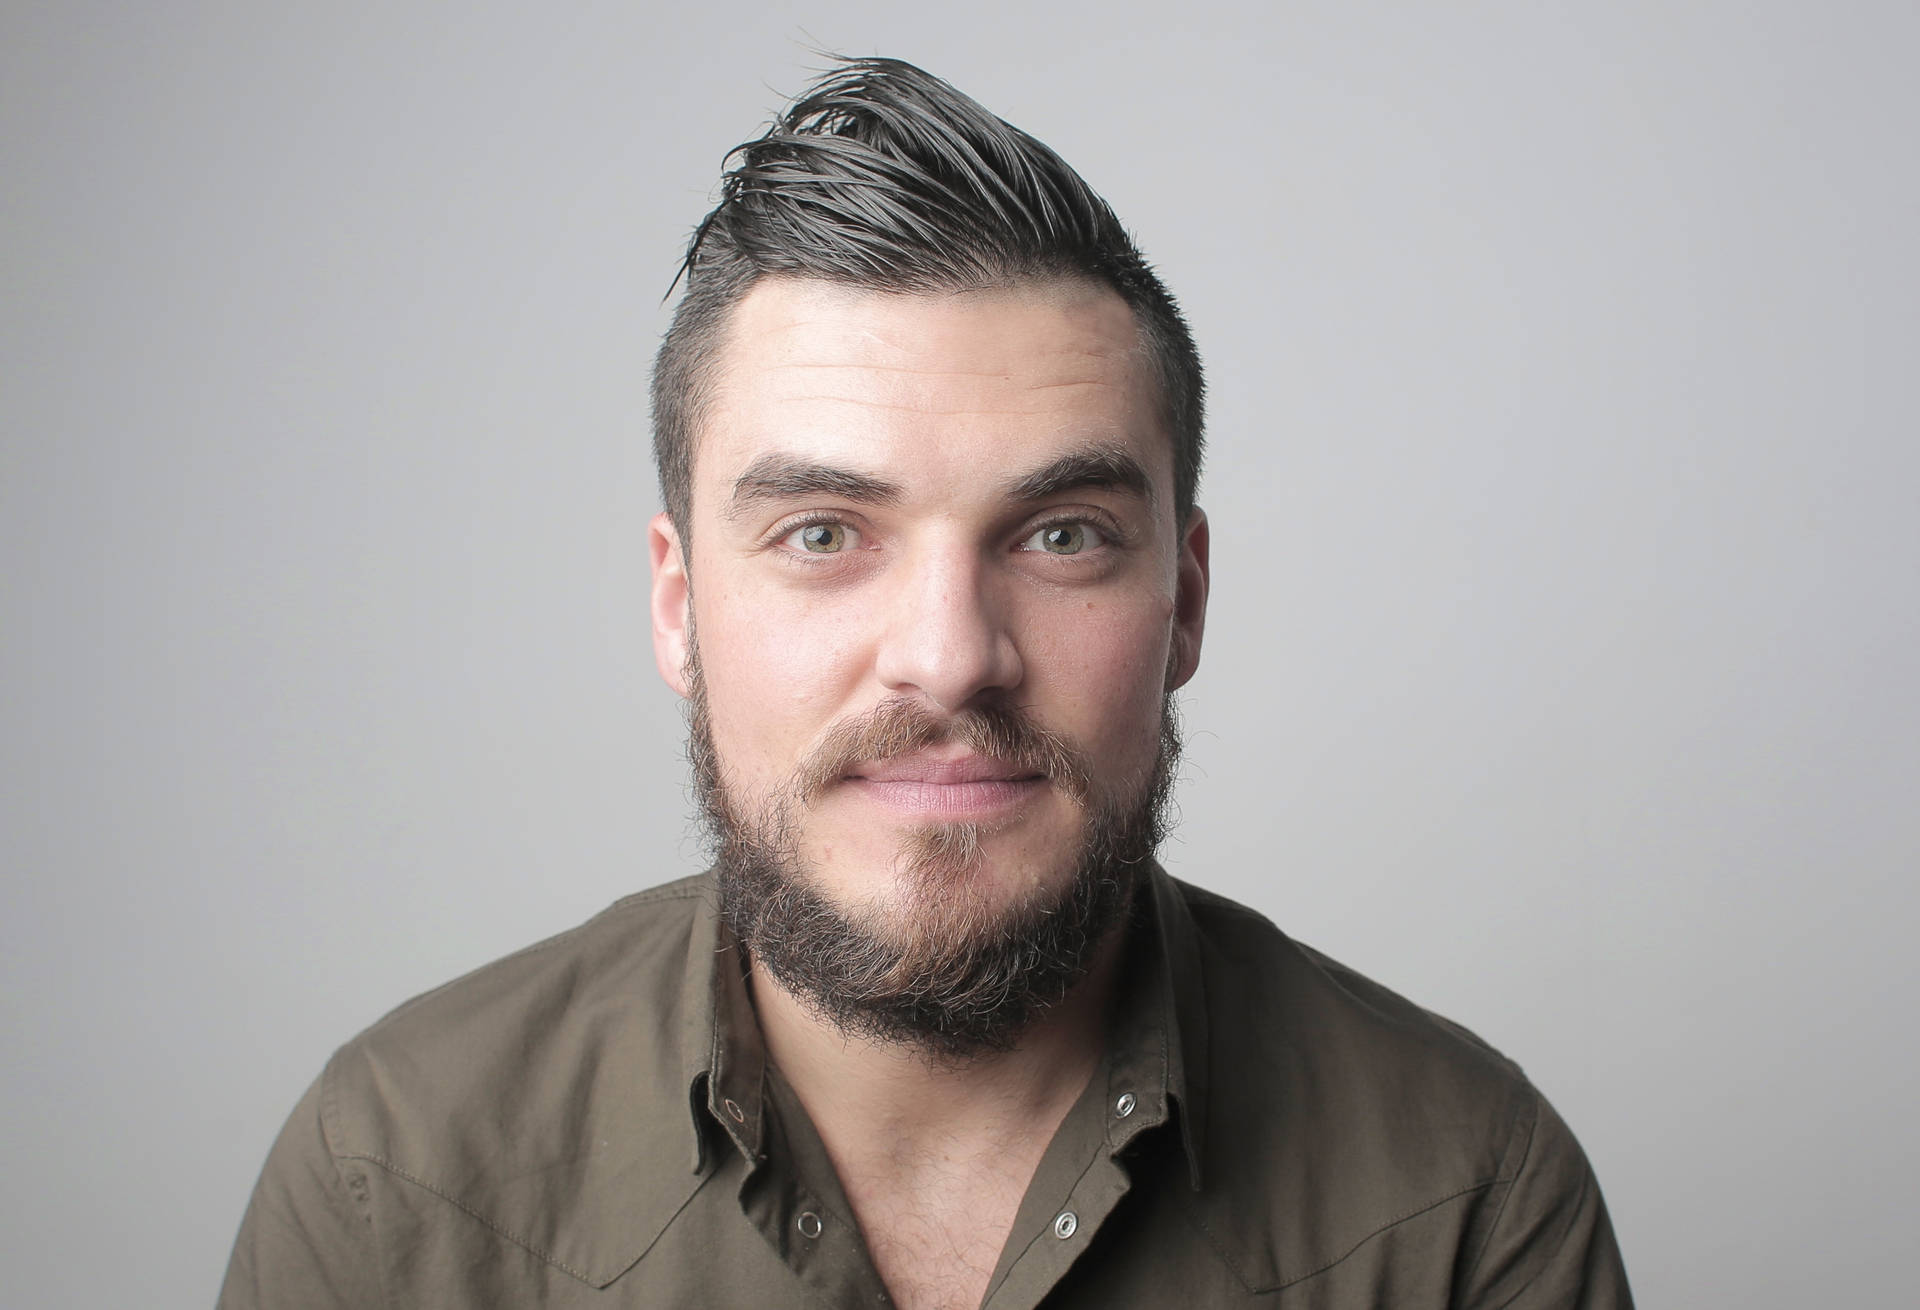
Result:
pixel 1037 1237
pixel 1499 1211
pixel 1538 1274
pixel 523 1243
pixel 1286 1281
pixel 361 1196
pixel 1573 1214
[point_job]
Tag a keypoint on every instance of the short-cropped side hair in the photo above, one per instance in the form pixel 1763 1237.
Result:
pixel 883 177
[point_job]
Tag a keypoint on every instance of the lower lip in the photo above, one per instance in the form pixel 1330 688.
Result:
pixel 949 801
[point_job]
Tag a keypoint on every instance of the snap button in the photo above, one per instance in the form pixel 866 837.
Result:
pixel 1065 1224
pixel 1124 1106
pixel 739 1116
pixel 808 1224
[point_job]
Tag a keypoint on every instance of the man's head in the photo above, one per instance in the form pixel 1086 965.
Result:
pixel 885 178
pixel 930 456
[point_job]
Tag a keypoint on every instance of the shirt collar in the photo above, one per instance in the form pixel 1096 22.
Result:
pixel 721 1049
pixel 1156 1045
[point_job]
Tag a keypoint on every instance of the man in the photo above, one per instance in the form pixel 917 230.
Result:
pixel 935 1031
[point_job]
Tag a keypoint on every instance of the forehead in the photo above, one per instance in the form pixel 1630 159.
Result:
pixel 950 383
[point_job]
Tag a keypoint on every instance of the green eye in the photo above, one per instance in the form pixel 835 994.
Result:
pixel 824 538
pixel 1062 539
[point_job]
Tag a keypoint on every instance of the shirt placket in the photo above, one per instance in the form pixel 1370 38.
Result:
pixel 1131 1100
pixel 801 1214
pixel 810 1235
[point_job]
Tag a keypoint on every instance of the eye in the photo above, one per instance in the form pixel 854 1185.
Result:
pixel 827 538
pixel 1065 538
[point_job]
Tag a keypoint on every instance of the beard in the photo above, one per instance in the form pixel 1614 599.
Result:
pixel 949 972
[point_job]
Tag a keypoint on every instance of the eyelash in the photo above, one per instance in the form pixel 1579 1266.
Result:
pixel 1113 537
pixel 787 527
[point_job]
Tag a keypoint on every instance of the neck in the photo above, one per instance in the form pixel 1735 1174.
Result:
pixel 935 1155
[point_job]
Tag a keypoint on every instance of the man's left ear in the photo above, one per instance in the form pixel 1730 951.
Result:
pixel 1189 601
pixel 671 621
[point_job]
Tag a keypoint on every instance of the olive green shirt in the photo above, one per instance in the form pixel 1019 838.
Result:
pixel 593 1122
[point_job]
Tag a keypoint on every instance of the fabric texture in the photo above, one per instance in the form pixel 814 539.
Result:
pixel 593 1122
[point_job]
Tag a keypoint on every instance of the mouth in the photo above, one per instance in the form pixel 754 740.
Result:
pixel 956 789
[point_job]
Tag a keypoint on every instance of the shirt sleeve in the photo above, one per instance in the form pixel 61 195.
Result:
pixel 307 1238
pixel 1551 1246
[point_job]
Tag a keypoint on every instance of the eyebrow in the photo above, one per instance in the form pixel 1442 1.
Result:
pixel 785 477
pixel 778 477
pixel 1111 467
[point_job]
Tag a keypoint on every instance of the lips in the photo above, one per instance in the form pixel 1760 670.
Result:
pixel 969 788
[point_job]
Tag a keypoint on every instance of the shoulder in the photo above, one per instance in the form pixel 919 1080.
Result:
pixel 519 1049
pixel 1283 1001
pixel 541 1099
pixel 1337 1109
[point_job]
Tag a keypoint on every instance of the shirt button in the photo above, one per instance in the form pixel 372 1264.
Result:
pixel 1065 1224
pixel 1124 1106
pixel 808 1224
pixel 737 1114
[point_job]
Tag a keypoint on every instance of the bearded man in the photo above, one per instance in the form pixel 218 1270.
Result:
pixel 935 1031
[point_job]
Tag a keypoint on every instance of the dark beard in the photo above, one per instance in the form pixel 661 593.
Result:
pixel 970 977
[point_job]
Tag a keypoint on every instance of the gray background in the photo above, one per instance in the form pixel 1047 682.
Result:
pixel 1560 667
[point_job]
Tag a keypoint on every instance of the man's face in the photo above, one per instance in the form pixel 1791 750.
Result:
pixel 911 511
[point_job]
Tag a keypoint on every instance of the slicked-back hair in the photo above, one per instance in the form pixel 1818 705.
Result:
pixel 885 178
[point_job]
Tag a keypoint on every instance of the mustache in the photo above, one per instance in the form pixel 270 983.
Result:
pixel 1005 734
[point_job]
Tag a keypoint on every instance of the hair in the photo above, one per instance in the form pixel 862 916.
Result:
pixel 883 177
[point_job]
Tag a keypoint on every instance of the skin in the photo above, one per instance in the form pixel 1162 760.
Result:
pixel 896 431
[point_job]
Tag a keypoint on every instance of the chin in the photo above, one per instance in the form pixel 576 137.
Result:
pixel 981 870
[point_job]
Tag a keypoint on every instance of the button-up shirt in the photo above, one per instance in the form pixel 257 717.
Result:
pixel 593 1122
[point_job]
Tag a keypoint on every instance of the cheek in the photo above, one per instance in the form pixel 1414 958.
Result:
pixel 1102 676
pixel 775 679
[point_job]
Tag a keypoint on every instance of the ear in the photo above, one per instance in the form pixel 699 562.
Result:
pixel 671 619
pixel 1189 601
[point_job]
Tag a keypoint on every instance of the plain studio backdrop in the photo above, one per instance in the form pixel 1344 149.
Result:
pixel 1561 665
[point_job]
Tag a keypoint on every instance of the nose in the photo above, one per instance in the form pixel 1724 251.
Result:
pixel 946 635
